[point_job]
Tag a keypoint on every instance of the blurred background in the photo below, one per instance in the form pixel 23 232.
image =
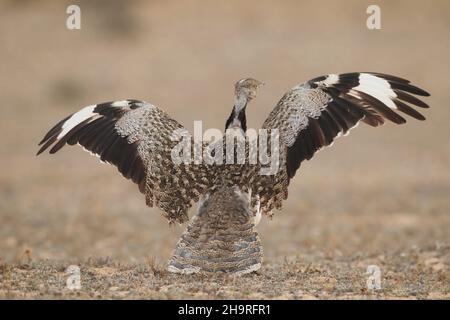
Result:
pixel 376 191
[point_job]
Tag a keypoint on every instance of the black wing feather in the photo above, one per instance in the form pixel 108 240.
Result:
pixel 346 108
pixel 97 134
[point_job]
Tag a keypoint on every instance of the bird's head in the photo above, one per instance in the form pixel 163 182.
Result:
pixel 247 88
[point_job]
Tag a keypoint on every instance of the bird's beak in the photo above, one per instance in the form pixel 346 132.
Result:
pixel 259 85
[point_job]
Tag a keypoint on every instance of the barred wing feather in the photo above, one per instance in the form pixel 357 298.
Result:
pixel 312 115
pixel 137 138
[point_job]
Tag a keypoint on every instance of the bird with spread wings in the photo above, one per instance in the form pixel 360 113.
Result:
pixel 137 138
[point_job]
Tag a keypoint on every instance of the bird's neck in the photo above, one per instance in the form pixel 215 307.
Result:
pixel 237 119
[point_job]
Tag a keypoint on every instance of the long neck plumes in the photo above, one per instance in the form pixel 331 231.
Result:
pixel 237 117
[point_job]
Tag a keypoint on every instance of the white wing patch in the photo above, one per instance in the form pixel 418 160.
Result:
pixel 331 79
pixel 121 103
pixel 376 87
pixel 76 119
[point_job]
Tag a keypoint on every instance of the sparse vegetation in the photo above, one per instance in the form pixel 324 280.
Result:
pixel 380 197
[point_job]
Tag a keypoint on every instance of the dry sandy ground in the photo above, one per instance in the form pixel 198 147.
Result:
pixel 378 197
pixel 412 274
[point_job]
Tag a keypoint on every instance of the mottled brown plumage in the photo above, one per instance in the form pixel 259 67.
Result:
pixel 140 139
pixel 222 237
pixel 311 115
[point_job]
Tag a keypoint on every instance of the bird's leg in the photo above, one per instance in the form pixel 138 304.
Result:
pixel 221 238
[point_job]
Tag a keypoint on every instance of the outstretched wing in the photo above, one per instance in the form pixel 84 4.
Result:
pixel 138 139
pixel 311 115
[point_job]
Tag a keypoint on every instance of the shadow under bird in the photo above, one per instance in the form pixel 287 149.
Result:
pixel 136 137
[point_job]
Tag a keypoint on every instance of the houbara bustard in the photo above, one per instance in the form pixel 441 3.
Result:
pixel 137 137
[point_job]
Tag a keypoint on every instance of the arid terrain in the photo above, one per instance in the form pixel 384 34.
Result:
pixel 380 196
